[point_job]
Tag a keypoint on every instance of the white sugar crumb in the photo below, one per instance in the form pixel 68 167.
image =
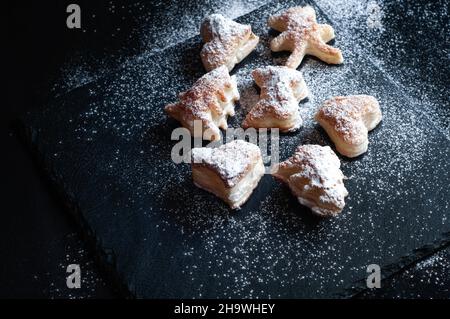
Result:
pixel 433 261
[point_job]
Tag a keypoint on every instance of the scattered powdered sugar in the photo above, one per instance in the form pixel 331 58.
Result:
pixel 90 281
pixel 281 89
pixel 273 247
pixel 430 262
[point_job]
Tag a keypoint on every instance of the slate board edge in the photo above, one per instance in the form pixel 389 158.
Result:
pixel 30 137
pixel 106 262
pixel 403 263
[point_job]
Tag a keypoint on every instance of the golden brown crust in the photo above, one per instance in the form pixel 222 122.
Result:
pixel 347 120
pixel 281 90
pixel 210 100
pixel 301 34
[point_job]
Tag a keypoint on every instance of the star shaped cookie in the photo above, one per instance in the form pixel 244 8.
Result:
pixel 301 34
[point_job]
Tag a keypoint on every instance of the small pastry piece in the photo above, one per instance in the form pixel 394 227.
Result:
pixel 313 174
pixel 301 34
pixel 281 90
pixel 347 120
pixel 210 100
pixel 230 171
pixel 226 42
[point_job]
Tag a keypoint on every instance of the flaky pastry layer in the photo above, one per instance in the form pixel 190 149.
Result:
pixel 313 174
pixel 301 34
pixel 210 101
pixel 347 120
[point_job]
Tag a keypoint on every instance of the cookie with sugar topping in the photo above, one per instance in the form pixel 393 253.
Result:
pixel 313 174
pixel 231 171
pixel 281 90
pixel 301 34
pixel 348 119
pixel 226 42
pixel 210 101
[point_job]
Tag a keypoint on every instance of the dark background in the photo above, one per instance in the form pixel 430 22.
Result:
pixel 45 59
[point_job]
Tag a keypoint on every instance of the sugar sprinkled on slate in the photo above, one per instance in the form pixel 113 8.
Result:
pixel 268 241
pixel 155 31
pixel 362 20
pixel 90 280
pixel 382 30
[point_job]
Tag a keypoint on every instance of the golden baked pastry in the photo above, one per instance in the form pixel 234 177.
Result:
pixel 226 42
pixel 281 90
pixel 347 120
pixel 231 171
pixel 301 34
pixel 313 174
pixel 210 100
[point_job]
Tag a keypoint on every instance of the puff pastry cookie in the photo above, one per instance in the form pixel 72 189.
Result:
pixel 226 42
pixel 347 120
pixel 281 90
pixel 301 34
pixel 210 100
pixel 313 174
pixel 230 171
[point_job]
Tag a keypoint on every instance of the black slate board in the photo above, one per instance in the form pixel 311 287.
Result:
pixel 107 147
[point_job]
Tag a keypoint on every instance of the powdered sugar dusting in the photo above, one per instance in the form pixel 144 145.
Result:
pixel 224 39
pixel 273 247
pixel 231 161
pixel 301 33
pixel 281 90
pixel 314 176
pixel 350 116
pixel 383 30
